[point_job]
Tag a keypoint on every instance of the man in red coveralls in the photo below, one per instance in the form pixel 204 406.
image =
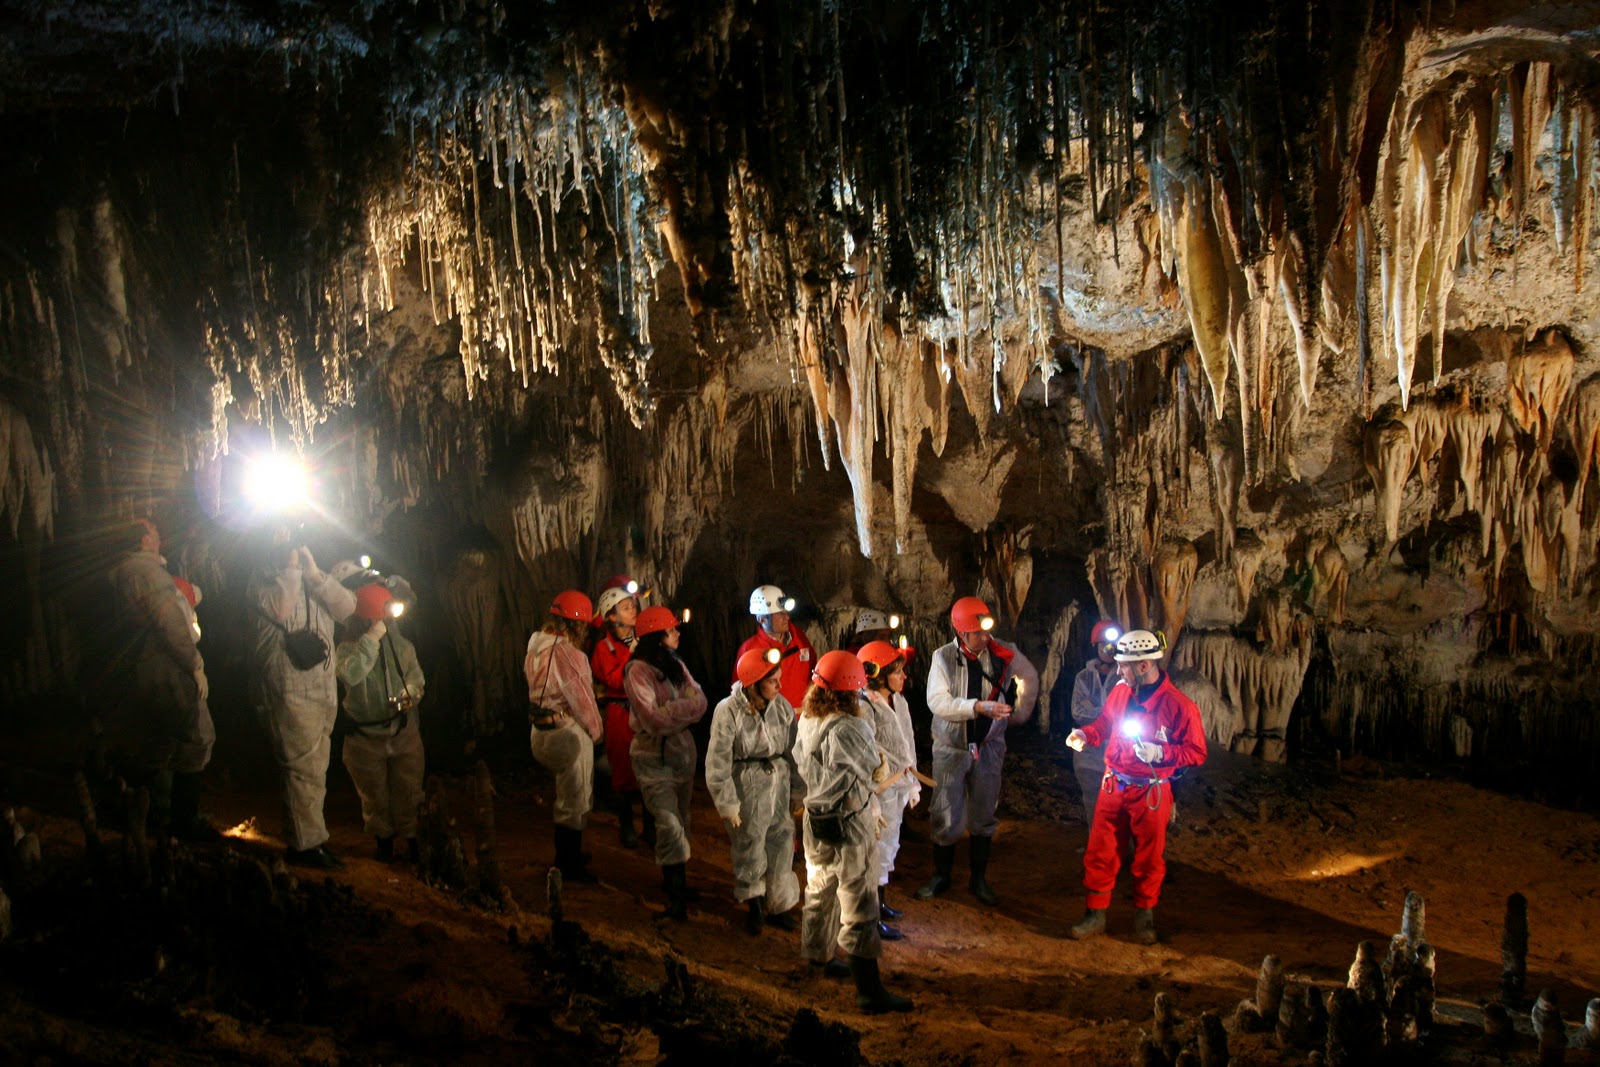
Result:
pixel 771 609
pixel 1150 731
pixel 617 608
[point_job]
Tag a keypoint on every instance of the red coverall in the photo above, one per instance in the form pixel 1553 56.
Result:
pixel 794 670
pixel 607 661
pixel 1139 810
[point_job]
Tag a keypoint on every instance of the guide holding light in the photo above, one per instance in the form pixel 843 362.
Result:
pixel 1150 731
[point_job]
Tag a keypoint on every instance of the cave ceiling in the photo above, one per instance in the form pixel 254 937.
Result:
pixel 1269 320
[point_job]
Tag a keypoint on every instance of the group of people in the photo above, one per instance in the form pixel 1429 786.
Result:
pixel 825 738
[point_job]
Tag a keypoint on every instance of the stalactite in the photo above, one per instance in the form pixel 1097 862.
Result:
pixel 1332 573
pixel 1263 684
pixel 1173 571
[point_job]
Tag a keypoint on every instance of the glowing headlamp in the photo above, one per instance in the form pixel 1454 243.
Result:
pixel 632 588
pixel 894 622
pixel 1111 635
pixel 395 608
pixel 986 622
pixel 788 603
pixel 365 562
pixel 276 482
pixel 905 642
pixel 1133 729
pixel 688 613
pixel 773 656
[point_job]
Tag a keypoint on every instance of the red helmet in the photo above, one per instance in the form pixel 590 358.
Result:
pixel 840 671
pixel 190 593
pixel 878 656
pixel 969 614
pixel 756 664
pixel 572 605
pixel 623 582
pixel 372 601
pixel 1105 632
pixel 654 620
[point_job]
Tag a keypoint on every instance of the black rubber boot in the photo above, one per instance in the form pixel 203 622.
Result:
pixel 756 917
pixel 385 853
pixel 886 913
pixel 871 997
pixel 979 861
pixel 944 861
pixel 626 835
pixel 834 968
pixel 783 920
pixel 677 881
pixel 569 856
pixel 1144 926
pixel 889 933
pixel 187 822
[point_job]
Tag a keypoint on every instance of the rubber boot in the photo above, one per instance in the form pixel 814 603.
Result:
pixel 626 836
pixel 871 997
pixel 385 853
pixel 756 917
pixel 833 968
pixel 676 880
pixel 1093 924
pixel 886 913
pixel 187 822
pixel 569 857
pixel 782 920
pixel 979 861
pixel 1144 926
pixel 944 861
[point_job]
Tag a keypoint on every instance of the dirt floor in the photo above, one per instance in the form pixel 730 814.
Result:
pixel 1296 861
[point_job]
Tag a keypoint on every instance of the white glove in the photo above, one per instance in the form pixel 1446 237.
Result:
pixel 1077 740
pixel 1148 751
pixel 993 709
pixel 881 771
pixel 379 628
pixel 733 820
pixel 201 683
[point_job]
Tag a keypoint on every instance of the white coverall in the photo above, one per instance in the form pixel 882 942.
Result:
pixel 837 756
pixel 568 750
pixel 160 718
pixel 968 773
pixel 299 706
pixel 383 750
pixel 1089 692
pixel 891 723
pixel 663 751
pixel 748 770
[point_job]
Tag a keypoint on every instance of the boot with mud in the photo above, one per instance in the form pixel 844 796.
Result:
pixel 1144 926
pixel 1093 924
pixel 944 861
pixel 979 862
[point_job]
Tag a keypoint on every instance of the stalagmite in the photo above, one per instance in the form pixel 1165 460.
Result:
pixel 1413 921
pixel 1165 1031
pixel 1366 973
pixel 1549 1029
pixel 1213 1041
pixel 1514 952
pixel 1498 1031
pixel 1355 1029
pixel 1397 963
pixel 1269 988
pixel 1589 1036
pixel 1423 972
pixel 1174 568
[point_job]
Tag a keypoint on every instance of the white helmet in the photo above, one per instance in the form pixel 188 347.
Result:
pixel 1137 645
pixel 351 573
pixel 871 620
pixel 611 598
pixel 769 599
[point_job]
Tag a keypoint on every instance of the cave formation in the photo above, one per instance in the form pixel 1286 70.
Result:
pixel 1266 324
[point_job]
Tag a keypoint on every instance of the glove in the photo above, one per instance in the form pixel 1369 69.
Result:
pixel 733 820
pixel 881 771
pixel 1148 751
pixel 201 683
pixel 309 565
pixel 1077 740
pixel 993 709
pixel 379 628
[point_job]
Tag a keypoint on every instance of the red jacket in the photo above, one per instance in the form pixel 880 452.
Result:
pixel 607 660
pixel 1166 709
pixel 794 672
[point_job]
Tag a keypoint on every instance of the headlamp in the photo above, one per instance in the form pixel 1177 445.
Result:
pixel 894 622
pixel 986 622
pixel 396 609
pixel 632 588
pixel 365 562
pixel 905 642
pixel 788 603
pixel 1133 729
pixel 688 613
pixel 774 656
pixel 1111 635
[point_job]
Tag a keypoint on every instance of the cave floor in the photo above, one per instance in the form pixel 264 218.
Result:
pixel 1289 860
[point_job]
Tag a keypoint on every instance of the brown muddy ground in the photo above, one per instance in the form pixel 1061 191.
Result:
pixel 1294 861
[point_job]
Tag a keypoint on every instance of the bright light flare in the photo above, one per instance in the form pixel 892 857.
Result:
pixel 276 483
pixel 688 613
pixel 1132 729
pixel 395 609
pixel 632 588
pixel 1111 635
pixel 986 623
pixel 905 642
pixel 773 656
pixel 245 831
pixel 894 622
pixel 365 562
pixel 788 603
pixel 1342 866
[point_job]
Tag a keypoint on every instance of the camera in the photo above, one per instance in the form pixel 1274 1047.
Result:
pixel 400 703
